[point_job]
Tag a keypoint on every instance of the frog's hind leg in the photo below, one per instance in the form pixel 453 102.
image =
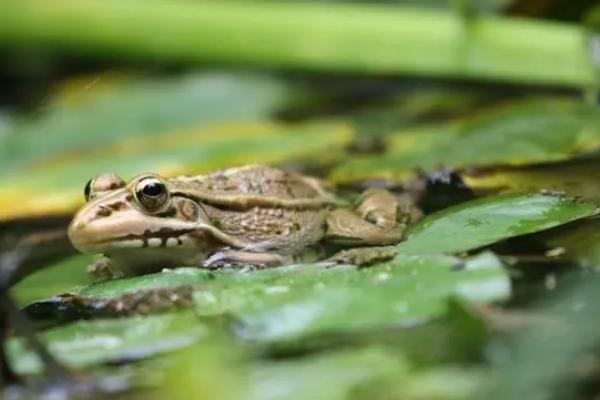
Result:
pixel 239 258
pixel 379 220
pixel 363 256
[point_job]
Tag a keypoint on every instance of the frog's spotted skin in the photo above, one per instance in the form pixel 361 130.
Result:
pixel 254 215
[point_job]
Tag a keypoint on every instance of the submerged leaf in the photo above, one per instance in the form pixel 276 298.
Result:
pixel 521 133
pixel 580 242
pixel 481 222
pixel 576 178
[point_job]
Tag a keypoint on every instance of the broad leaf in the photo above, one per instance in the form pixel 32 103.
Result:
pixel 199 150
pixel 521 133
pixel 298 301
pixel 481 222
pixel 68 275
pixel 192 124
pixel 94 113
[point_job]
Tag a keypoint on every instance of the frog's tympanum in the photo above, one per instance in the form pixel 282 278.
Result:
pixel 249 216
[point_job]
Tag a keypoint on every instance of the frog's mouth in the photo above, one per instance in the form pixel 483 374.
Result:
pixel 130 229
pixel 162 238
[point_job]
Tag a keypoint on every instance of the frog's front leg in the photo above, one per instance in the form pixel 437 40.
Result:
pixel 239 258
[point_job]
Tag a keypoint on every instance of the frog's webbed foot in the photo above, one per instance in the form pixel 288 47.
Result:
pixel 379 219
pixel 363 256
pixel 243 259
pixel 103 269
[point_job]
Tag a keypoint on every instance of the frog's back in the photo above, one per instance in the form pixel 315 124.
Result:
pixel 273 209
pixel 255 182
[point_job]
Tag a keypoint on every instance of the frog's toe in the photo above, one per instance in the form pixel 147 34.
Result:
pixel 243 259
pixel 363 256
pixel 102 268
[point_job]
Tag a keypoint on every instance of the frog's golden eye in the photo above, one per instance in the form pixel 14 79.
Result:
pixel 87 190
pixel 151 193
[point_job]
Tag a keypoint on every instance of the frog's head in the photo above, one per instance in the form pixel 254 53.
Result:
pixel 139 214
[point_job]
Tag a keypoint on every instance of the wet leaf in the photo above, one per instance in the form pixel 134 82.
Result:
pixel 481 222
pixel 406 291
pixel 293 302
pixel 521 133
pixel 174 278
pixel 88 343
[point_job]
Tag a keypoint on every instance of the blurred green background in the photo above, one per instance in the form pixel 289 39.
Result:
pixel 485 111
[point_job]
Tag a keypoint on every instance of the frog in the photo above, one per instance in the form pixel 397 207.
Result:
pixel 253 216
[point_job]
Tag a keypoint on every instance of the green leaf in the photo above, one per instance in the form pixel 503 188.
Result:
pixel 431 104
pixel 481 222
pixel 408 290
pixel 68 275
pixel 542 357
pixel 521 133
pixel 126 108
pixel 191 151
pixel 186 125
pixel 299 301
pixel 174 278
pixel 333 376
pixel 88 343
pixel 216 370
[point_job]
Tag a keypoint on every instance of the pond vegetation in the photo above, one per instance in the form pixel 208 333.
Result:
pixel 483 112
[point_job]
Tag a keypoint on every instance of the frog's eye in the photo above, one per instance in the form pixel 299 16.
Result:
pixel 151 193
pixel 102 184
pixel 87 190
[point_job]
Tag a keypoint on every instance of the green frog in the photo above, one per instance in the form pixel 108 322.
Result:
pixel 252 216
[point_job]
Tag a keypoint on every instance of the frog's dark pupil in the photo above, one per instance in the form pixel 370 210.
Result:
pixel 153 189
pixel 87 191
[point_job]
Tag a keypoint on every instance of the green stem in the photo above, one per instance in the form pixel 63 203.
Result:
pixel 327 37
